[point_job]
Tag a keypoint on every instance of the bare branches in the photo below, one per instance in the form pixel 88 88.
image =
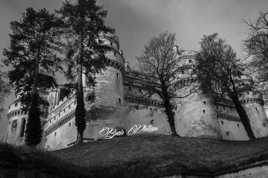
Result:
pixel 257 44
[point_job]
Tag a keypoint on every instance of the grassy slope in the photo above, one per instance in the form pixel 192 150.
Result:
pixel 150 156
pixel 140 156
pixel 22 158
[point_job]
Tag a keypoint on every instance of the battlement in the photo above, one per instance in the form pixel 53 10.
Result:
pixel 143 100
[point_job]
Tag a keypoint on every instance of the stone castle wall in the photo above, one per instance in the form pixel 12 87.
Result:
pixel 123 98
pixel 195 117
pixel 253 104
pixel 16 124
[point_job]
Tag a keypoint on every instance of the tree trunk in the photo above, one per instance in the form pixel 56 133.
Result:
pixel 168 109
pixel 33 134
pixel 80 112
pixel 243 115
pixel 80 109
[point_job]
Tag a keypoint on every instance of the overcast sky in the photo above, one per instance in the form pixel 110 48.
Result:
pixel 136 21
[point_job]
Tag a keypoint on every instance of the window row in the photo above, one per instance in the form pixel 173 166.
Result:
pixel 66 109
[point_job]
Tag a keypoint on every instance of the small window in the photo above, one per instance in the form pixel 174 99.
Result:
pixel 91 98
pixel 22 127
pixel 70 124
pixel 55 133
pixel 204 102
pixel 13 125
pixel 16 104
pixel 204 111
pixel 222 122
pixel 227 133
pixel 190 61
pixel 117 75
pixel 238 125
pixel 119 100
pixel 256 109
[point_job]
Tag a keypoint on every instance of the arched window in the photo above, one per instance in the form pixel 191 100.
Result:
pixel 14 126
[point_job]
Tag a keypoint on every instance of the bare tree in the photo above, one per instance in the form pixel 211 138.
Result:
pixel 219 72
pixel 160 59
pixel 257 44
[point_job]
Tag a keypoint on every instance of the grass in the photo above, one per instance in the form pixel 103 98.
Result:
pixel 23 158
pixel 156 156
pixel 141 156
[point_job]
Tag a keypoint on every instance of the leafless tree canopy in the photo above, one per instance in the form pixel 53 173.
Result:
pixel 257 43
pixel 159 58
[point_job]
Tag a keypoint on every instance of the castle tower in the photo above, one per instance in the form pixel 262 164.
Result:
pixel 254 106
pixel 109 85
pixel 16 123
pixel 195 114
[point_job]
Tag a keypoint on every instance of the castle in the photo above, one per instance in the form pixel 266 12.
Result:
pixel 122 98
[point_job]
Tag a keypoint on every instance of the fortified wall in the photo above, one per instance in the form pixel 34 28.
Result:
pixel 122 98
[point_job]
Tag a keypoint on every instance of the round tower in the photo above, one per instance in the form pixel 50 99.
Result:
pixel 109 83
pixel 254 106
pixel 195 114
pixel 16 123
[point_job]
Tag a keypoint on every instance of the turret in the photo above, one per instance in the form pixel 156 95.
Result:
pixel 254 106
pixel 195 114
pixel 109 83
pixel 16 123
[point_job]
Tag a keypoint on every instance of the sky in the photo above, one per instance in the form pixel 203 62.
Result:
pixel 137 21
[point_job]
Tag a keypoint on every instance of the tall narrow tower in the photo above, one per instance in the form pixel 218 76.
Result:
pixel 109 83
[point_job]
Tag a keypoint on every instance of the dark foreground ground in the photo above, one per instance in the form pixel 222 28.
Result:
pixel 143 156
pixel 151 156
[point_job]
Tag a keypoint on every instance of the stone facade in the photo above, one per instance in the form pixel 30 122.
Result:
pixel 122 98
pixel 16 124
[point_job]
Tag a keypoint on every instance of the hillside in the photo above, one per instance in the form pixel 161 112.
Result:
pixel 139 156
pixel 151 156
